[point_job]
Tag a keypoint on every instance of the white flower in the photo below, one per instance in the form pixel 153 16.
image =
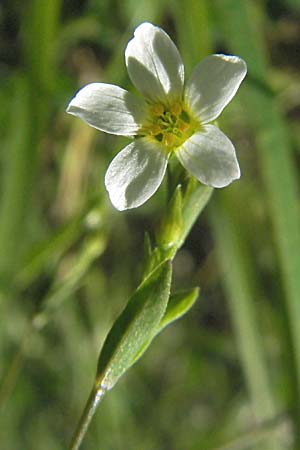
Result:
pixel 172 118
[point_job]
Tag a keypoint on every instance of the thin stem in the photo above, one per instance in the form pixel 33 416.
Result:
pixel 9 380
pixel 94 399
pixel 194 207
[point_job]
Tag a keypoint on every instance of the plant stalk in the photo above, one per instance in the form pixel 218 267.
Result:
pixel 94 399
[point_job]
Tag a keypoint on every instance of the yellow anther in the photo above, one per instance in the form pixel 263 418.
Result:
pixel 155 130
pixel 168 140
pixel 176 109
pixel 183 126
pixel 157 109
pixel 171 126
pixel 177 132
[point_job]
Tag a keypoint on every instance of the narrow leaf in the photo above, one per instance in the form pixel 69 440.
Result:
pixel 136 325
pixel 179 304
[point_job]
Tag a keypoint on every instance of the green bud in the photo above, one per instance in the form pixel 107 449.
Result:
pixel 168 231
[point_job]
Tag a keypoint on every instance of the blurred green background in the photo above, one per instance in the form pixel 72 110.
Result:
pixel 227 376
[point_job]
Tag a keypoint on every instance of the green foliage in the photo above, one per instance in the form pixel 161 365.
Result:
pixel 135 326
pixel 178 305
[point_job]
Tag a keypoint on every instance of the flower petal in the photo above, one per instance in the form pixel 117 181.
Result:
pixel 213 83
pixel 135 174
pixel 210 156
pixel 109 108
pixel 154 64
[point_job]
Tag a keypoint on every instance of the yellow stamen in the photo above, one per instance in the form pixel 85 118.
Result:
pixel 183 126
pixel 171 125
pixel 157 109
pixel 155 130
pixel 168 140
pixel 176 109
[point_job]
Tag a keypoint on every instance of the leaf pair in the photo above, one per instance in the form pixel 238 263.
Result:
pixel 147 313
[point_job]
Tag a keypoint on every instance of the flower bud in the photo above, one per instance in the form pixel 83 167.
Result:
pixel 169 229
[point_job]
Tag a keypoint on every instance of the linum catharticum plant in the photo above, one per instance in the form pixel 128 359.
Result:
pixel 172 123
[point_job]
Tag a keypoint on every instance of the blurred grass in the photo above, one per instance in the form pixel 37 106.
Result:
pixel 277 164
pixel 233 362
pixel 31 89
pixel 239 283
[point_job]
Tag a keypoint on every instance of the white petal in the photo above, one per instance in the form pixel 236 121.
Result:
pixel 213 83
pixel 135 174
pixel 154 64
pixel 210 156
pixel 109 108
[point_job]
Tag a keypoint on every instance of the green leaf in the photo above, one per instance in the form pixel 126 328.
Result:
pixel 179 304
pixel 136 325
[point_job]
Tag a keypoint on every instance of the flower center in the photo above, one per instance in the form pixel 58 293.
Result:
pixel 170 126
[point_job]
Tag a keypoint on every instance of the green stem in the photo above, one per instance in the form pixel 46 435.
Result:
pixel 94 399
pixel 193 208
pixel 195 202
